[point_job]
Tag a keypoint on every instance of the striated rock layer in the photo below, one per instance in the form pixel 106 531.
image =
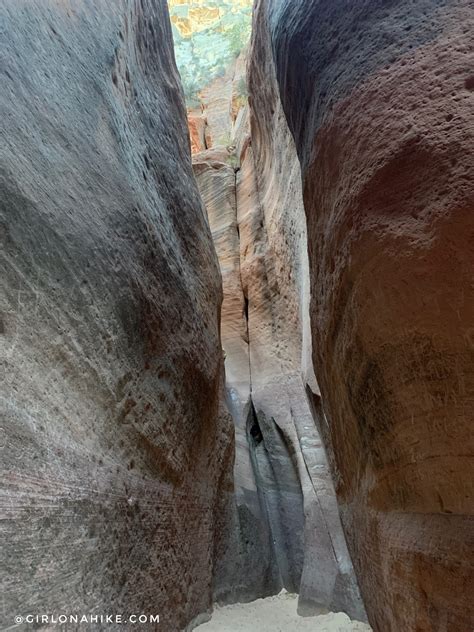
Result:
pixel 116 456
pixel 287 532
pixel 379 99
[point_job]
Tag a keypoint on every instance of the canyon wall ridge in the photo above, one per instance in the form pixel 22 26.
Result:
pixel 379 99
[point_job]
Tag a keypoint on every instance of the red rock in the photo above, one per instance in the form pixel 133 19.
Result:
pixel 378 99
pixel 197 129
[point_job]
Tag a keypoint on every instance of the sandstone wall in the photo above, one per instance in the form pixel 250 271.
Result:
pixel 379 99
pixel 276 268
pixel 251 186
pixel 246 568
pixel 116 456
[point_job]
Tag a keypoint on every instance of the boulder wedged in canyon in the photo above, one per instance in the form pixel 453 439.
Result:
pixel 379 99
pixel 283 487
pixel 116 454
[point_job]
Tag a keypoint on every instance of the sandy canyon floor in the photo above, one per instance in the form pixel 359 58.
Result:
pixel 277 614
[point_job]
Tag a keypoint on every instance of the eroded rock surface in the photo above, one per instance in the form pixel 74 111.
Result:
pixel 115 455
pixel 246 567
pixel 251 185
pixel 379 99
pixel 276 271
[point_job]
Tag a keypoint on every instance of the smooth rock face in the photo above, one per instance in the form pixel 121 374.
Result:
pixel 116 455
pixel 246 568
pixel 251 187
pixel 275 271
pixel 379 98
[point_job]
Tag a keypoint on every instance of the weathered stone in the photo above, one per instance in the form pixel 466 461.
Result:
pixel 197 130
pixel 252 192
pixel 246 569
pixel 379 99
pixel 280 344
pixel 116 455
pixel 223 100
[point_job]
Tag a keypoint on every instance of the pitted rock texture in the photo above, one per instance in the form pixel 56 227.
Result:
pixel 251 188
pixel 379 99
pixel 116 453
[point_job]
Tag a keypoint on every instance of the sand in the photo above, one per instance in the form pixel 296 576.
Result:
pixel 277 614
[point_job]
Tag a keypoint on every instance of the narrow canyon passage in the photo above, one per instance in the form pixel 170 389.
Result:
pixel 236 315
pixel 288 518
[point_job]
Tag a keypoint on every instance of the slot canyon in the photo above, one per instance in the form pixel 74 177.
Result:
pixel 237 315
